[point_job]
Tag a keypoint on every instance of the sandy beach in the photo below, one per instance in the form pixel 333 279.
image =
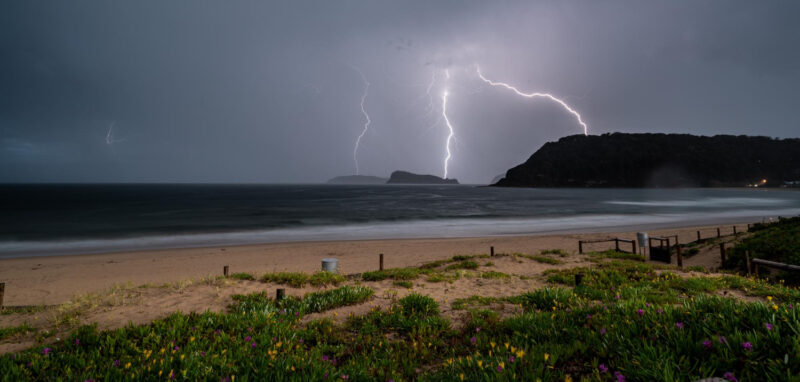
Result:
pixel 116 289
pixel 54 280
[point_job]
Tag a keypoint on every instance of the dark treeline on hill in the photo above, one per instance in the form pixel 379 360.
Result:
pixel 660 160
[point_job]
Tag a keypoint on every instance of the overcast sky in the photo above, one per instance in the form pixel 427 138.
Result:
pixel 268 91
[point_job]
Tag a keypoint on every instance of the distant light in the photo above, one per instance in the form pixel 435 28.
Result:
pixel 763 181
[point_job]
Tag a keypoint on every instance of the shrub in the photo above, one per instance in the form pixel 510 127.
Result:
pixel 466 264
pixel 242 276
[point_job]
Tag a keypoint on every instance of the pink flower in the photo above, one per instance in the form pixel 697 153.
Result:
pixel 46 351
pixel 747 346
pixel 603 368
pixel 707 344
pixel 641 312
pixel 619 376
pixel 679 325
pixel 253 345
pixel 768 325
pixel 729 376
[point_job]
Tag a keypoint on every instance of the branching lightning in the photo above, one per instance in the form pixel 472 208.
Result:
pixel 531 95
pixel 366 116
pixel 449 127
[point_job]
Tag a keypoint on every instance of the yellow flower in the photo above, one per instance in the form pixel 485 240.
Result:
pixel 492 343
pixel 769 298
pixel 546 357
pixel 128 365
pixel 160 372
pixel 520 353
pixel 191 339
pixel 480 363
pixel 279 344
pixel 506 344
pixel 182 356
pixel 292 367
pixel 502 365
pixel 567 378
pixel 513 349
pixel 775 307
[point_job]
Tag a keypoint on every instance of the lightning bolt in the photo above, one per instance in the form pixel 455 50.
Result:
pixel 363 111
pixel 449 127
pixel 110 134
pixel 532 95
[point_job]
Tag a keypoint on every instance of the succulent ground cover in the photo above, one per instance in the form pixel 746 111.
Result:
pixel 627 320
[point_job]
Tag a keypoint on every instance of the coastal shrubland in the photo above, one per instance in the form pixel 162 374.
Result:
pixel 626 320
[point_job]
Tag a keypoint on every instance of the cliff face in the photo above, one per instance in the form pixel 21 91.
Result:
pixel 659 160
pixel 403 177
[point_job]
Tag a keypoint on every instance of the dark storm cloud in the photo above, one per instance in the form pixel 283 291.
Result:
pixel 265 92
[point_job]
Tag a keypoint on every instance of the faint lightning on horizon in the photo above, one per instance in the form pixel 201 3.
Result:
pixel 531 95
pixel 110 140
pixel 366 115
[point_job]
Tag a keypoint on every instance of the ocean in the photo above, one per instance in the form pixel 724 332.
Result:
pixel 37 220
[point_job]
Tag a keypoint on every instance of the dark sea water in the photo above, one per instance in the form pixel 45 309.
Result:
pixel 69 219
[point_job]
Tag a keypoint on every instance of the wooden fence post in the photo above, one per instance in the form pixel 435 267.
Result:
pixel 225 271
pixel 491 251
pixel 279 294
pixel 722 252
pixel 755 269
pixel 580 247
pixel 616 244
pixel 698 235
pixel 747 259
pixel 718 233
pixel 734 230
pixel 578 279
pixel 2 293
pixel 633 246
pixel 680 258
pixel 380 263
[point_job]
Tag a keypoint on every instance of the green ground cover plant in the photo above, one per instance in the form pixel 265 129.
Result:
pixel 301 279
pixel 653 326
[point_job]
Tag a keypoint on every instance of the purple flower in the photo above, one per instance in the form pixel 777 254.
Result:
pixel 46 351
pixel 511 359
pixel 619 376
pixel 707 344
pixel 499 369
pixel 326 375
pixel 603 330
pixel 729 376
pixel 176 348
pixel 679 325
pixel 641 312
pixel 247 339
pixel 588 316
pixel 603 368
pixel 747 346
pixel 253 345
pixel 616 297
pixel 477 330
pixel 217 331
pixel 768 325
pixel 647 304
pixel 660 311
pixel 301 341
pixel 116 362
pixel 202 354
pixel 77 342
pixel 325 358
pixel 473 340
pixel 722 340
